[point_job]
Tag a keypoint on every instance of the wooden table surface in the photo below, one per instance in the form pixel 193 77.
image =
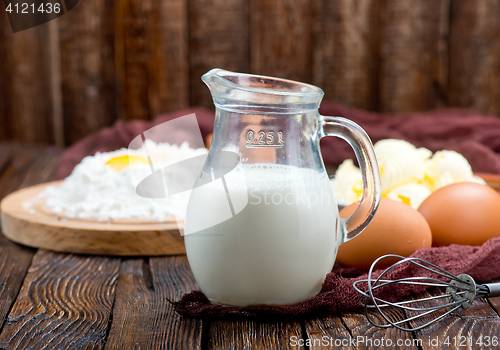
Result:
pixel 64 301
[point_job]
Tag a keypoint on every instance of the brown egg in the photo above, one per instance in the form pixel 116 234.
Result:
pixel 396 228
pixel 462 213
pixel 208 140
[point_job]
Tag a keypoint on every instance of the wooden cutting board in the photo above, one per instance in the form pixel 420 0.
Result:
pixel 39 228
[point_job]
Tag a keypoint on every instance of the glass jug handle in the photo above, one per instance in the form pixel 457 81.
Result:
pixel 363 148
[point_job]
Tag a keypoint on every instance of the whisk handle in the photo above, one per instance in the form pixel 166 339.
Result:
pixel 494 289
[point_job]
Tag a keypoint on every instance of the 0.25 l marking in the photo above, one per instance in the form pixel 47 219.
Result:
pixel 264 139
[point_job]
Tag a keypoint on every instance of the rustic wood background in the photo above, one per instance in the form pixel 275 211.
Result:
pixel 134 59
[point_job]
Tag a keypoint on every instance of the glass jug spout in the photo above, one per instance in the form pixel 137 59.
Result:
pixel 237 89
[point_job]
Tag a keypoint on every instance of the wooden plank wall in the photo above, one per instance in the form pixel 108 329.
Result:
pixel 135 59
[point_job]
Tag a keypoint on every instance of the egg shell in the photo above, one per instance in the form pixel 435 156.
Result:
pixel 462 213
pixel 208 140
pixel 396 228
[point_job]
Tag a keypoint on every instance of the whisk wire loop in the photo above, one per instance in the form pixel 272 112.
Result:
pixel 461 291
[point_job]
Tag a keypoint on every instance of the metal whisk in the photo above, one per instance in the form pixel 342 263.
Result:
pixel 460 292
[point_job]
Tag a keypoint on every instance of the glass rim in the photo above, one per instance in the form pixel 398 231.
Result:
pixel 293 91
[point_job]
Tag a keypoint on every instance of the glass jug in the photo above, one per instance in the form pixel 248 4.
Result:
pixel 262 224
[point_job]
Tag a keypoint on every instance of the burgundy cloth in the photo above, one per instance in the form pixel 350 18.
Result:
pixel 481 262
pixel 475 136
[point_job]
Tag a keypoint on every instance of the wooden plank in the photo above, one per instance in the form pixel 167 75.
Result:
pixel 495 302
pixel 15 259
pixel 43 168
pixel 14 262
pixel 26 105
pixel 282 38
pixel 55 88
pixel 413 55
pixel 337 335
pixel 460 329
pixel 250 334
pixel 475 55
pixel 171 278
pixel 151 57
pixel 65 302
pixel 169 38
pixel 132 59
pixel 25 165
pixel 19 165
pixel 4 120
pixel 367 336
pixel 142 316
pixel 132 308
pixel 346 57
pixel 6 155
pixel 87 68
pixel 219 37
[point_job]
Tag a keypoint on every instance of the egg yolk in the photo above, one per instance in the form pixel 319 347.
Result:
pixel 120 163
pixel 405 200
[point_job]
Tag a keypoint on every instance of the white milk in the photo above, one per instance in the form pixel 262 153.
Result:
pixel 277 249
